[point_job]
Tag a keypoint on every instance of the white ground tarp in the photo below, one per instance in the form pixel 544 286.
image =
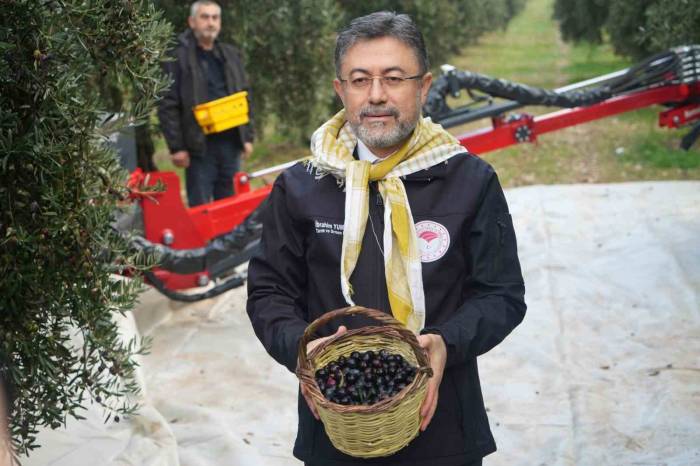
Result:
pixel 605 369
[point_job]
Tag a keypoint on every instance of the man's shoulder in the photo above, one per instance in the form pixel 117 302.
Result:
pixel 184 39
pixel 229 48
pixel 228 45
pixel 469 163
pixel 178 50
pixel 297 176
pixel 307 193
pixel 464 175
pixel 303 181
pixel 464 169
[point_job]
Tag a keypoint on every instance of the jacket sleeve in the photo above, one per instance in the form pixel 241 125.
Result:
pixel 495 302
pixel 170 108
pixel 277 280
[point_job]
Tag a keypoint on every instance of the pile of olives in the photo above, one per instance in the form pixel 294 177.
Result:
pixel 364 378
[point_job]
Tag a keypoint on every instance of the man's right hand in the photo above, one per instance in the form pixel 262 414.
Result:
pixel 181 159
pixel 309 346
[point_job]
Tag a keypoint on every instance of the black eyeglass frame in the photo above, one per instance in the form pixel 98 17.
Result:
pixel 401 79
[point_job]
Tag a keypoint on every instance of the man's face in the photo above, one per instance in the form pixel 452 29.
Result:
pixel 206 24
pixel 382 115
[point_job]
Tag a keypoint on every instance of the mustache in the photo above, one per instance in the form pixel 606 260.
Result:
pixel 373 111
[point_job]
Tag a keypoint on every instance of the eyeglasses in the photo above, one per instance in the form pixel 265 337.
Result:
pixel 362 83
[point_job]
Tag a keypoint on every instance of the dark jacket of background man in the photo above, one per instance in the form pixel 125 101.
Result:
pixel 200 76
pixel 189 88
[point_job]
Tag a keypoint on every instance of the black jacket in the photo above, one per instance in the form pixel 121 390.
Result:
pixel 474 293
pixel 189 88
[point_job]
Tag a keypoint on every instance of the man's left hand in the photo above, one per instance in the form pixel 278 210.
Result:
pixel 437 354
pixel 247 150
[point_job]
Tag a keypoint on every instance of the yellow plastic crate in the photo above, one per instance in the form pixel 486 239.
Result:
pixel 222 114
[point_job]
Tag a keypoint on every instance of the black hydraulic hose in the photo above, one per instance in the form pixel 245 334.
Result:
pixel 233 282
pixel 521 94
pixel 662 68
pixel 689 139
pixel 223 249
pixel 232 261
pixel 678 65
pixel 460 116
pixel 529 95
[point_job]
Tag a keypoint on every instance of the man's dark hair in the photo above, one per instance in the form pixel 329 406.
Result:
pixel 377 25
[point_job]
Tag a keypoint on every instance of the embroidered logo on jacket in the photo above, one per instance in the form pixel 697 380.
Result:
pixel 433 240
pixel 328 228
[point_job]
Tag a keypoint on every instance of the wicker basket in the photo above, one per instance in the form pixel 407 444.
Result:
pixel 367 431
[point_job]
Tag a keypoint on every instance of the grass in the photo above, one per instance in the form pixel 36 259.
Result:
pixel 628 147
pixel 528 51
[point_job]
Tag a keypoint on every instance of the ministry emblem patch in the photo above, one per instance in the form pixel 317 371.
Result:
pixel 433 240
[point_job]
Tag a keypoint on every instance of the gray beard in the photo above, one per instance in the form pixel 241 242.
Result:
pixel 382 140
pixel 199 36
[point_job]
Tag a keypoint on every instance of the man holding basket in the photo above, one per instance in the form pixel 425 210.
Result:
pixel 391 213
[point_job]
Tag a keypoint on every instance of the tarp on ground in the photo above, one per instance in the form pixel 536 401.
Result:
pixel 604 370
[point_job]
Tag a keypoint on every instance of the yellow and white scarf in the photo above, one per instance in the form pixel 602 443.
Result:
pixel 332 146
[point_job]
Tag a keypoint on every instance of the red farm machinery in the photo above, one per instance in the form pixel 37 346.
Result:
pixel 200 249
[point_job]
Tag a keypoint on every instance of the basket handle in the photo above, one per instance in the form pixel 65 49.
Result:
pixel 383 317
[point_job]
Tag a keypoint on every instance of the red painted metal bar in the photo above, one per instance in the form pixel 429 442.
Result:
pixel 626 103
pixel 506 133
pixel 677 117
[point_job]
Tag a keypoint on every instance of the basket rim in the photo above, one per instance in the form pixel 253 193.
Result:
pixel 392 330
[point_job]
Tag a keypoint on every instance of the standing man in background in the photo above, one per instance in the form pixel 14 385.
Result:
pixel 204 69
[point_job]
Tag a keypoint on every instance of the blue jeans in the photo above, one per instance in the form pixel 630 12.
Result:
pixel 210 177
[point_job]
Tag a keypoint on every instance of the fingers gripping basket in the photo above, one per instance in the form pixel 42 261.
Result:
pixel 367 431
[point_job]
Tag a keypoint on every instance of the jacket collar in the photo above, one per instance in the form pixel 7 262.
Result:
pixel 187 39
pixel 436 171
